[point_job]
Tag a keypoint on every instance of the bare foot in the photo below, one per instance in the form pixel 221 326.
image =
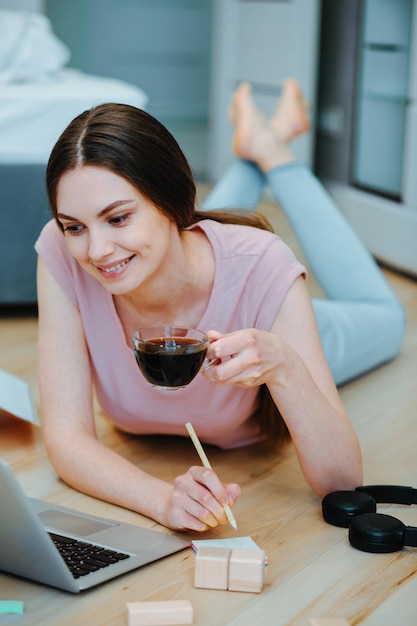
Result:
pixel 255 139
pixel 291 117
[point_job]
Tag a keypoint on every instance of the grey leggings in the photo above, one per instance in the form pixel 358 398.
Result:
pixel 361 321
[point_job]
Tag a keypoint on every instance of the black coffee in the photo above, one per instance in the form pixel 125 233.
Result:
pixel 170 361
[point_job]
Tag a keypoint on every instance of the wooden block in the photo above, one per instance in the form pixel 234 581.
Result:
pixel 329 621
pixel 159 613
pixel 246 570
pixel 211 568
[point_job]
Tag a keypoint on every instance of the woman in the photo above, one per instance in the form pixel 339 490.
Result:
pixel 127 250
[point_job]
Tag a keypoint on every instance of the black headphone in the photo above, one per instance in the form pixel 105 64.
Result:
pixel 368 530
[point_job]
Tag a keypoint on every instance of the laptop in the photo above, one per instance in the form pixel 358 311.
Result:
pixel 66 548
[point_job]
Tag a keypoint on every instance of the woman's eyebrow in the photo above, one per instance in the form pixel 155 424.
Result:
pixel 101 213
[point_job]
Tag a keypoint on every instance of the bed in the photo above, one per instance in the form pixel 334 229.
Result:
pixel 36 104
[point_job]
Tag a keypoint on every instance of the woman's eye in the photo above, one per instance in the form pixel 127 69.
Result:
pixel 118 220
pixel 73 229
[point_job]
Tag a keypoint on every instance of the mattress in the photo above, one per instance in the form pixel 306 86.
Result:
pixel 33 114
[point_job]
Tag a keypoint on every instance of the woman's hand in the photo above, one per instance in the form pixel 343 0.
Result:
pixel 290 360
pixel 198 499
pixel 246 358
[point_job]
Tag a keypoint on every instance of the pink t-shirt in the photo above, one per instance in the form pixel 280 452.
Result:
pixel 253 271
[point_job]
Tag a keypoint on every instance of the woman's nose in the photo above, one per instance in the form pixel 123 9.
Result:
pixel 100 246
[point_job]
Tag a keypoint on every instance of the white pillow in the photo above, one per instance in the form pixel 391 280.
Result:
pixel 29 50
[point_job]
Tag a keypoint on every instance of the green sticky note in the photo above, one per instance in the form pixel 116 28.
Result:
pixel 11 606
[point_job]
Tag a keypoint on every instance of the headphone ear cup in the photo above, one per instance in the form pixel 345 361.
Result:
pixel 376 532
pixel 340 507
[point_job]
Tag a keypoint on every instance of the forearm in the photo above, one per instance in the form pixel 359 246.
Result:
pixel 324 439
pixel 87 465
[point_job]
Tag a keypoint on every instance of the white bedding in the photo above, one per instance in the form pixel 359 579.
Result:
pixel 33 114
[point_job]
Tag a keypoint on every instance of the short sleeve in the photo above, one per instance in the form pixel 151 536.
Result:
pixel 52 249
pixel 271 279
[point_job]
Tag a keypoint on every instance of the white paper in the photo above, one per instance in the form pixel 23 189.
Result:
pixel 16 399
pixel 245 543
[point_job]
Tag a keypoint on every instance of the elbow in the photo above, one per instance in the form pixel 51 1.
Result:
pixel 347 483
pixel 344 483
pixel 56 457
pixel 62 456
pixel 342 477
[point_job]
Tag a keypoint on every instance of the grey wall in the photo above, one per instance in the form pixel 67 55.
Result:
pixel 162 46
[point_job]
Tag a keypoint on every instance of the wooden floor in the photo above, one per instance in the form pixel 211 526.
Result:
pixel 311 572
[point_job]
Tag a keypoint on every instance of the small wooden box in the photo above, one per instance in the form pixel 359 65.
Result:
pixel 159 613
pixel 212 568
pixel 246 570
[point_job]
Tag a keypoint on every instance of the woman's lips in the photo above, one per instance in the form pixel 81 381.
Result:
pixel 115 269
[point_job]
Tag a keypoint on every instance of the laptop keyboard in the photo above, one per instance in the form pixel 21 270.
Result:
pixel 84 558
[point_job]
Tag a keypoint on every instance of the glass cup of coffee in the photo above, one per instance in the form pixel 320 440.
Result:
pixel 170 357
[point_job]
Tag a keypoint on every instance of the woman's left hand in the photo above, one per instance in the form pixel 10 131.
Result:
pixel 246 358
pixel 290 360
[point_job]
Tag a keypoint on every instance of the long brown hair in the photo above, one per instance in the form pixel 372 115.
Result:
pixel 133 144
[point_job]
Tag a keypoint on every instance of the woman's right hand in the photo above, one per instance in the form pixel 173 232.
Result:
pixel 198 499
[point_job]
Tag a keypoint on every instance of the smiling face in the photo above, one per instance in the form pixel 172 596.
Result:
pixel 115 233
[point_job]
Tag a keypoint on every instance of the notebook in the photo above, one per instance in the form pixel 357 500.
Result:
pixel 38 540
